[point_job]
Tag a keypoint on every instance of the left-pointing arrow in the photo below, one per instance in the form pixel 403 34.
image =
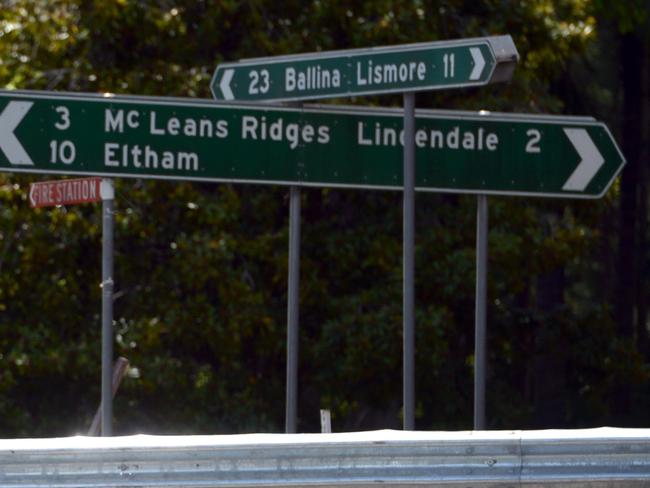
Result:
pixel 32 195
pixel 10 117
pixel 590 160
pixel 225 84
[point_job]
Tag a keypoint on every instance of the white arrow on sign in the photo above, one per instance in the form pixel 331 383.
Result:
pixel 10 117
pixel 479 63
pixel 590 160
pixel 225 84
pixel 32 197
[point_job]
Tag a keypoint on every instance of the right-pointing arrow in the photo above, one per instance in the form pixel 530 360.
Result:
pixel 225 84
pixel 479 63
pixel 10 117
pixel 590 160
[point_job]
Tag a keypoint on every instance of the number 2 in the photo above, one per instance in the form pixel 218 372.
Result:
pixel 535 137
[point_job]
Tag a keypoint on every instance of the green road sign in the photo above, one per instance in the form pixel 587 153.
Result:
pixel 410 67
pixel 187 139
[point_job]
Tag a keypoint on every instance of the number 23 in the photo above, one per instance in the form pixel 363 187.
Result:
pixel 260 82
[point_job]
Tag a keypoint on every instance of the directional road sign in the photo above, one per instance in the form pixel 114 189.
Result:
pixel 409 67
pixel 65 192
pixel 187 139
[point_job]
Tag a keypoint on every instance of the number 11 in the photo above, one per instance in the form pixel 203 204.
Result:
pixel 449 61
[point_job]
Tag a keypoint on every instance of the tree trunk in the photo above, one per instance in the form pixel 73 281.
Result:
pixel 643 338
pixel 549 390
pixel 550 360
pixel 628 276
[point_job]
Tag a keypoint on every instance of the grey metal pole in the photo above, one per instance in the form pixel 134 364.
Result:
pixel 408 227
pixel 108 199
pixel 481 300
pixel 293 311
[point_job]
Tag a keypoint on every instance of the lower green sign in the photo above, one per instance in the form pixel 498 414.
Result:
pixel 187 139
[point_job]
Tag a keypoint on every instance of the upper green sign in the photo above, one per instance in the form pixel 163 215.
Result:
pixel 410 67
pixel 185 139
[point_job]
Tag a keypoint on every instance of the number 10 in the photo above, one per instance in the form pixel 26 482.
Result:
pixel 64 152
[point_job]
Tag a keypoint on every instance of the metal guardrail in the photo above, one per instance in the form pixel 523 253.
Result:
pixel 592 458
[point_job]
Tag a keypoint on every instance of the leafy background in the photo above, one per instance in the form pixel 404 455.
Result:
pixel 200 298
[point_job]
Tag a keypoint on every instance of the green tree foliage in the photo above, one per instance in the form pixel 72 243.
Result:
pixel 200 302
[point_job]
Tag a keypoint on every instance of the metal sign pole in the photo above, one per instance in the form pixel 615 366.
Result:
pixel 480 324
pixel 293 301
pixel 408 262
pixel 108 199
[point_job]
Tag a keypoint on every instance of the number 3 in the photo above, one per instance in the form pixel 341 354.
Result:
pixel 64 123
